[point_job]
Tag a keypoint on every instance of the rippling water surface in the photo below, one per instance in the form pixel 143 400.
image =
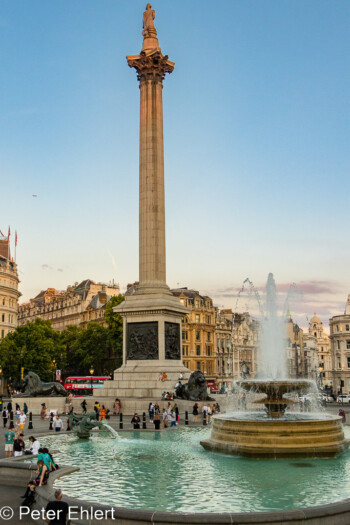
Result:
pixel 170 471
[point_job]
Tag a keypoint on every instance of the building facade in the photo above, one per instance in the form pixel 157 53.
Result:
pixel 77 305
pixel 339 327
pixel 224 348
pixel 198 332
pixel 316 338
pixel 245 342
pixel 9 293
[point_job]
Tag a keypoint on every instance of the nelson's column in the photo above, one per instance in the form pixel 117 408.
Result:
pixel 152 315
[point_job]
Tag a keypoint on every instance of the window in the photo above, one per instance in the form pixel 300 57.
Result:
pixel 198 365
pixel 198 335
pixel 337 328
pixel 197 304
pixel 315 334
pixel 339 362
pixel 208 351
pixel 348 344
pixel 347 328
pixel 348 362
pixel 208 336
pixel 338 345
pixel 315 326
pixel 198 350
pixel 198 318
pixel 185 350
pixel 3 318
pixel 2 334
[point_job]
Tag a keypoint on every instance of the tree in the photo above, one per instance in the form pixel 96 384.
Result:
pixel 36 347
pixel 115 326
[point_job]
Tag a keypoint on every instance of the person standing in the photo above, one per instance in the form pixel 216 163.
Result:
pixel 117 406
pixel 156 422
pixel 58 508
pixel 43 411
pixel 83 405
pixel 5 416
pixel 9 439
pixel 9 407
pixel 136 421
pixel 103 413
pixel 177 413
pixel 25 408
pixel 57 424
pixel 22 420
pixel 172 417
pixel 97 410
pixel 165 418
pixel 18 446
pixel 195 412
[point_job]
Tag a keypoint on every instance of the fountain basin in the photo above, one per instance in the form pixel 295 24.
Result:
pixel 294 435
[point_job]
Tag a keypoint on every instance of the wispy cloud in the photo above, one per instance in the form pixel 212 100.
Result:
pixel 46 267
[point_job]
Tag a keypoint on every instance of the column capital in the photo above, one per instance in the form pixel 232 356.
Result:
pixel 151 66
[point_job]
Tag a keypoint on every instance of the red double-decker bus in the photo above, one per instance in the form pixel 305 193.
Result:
pixel 84 385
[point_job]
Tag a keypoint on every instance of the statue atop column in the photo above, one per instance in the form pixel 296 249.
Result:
pixel 149 31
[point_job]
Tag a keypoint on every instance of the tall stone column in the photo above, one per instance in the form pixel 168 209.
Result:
pixel 151 67
pixel 152 315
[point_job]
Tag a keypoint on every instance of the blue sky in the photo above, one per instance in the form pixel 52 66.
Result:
pixel 256 123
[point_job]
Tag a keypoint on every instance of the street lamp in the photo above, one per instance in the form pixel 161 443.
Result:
pixel 0 379
pixel 54 369
pixel 91 374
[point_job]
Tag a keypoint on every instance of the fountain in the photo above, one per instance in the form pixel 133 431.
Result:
pixel 82 424
pixel 276 433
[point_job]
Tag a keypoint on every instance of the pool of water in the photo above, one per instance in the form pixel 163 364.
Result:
pixel 170 471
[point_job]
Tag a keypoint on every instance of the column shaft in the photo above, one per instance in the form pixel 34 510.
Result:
pixel 152 206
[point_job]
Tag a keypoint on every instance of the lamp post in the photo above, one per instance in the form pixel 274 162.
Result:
pixel 0 379
pixel 91 374
pixel 54 369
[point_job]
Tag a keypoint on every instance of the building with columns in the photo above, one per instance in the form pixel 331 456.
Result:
pixel 198 332
pixel 9 293
pixel 316 338
pixel 245 342
pixel 339 326
pixel 224 348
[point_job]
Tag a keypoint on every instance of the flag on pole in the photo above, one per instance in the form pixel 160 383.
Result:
pixel 15 237
pixel 2 235
pixel 9 233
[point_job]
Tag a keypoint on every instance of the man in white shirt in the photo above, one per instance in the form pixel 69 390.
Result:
pixel 57 423
pixel 22 420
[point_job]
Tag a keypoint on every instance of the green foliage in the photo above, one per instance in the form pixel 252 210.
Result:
pixel 37 347
pixel 34 347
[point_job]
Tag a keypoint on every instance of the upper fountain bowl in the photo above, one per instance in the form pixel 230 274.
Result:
pixel 275 388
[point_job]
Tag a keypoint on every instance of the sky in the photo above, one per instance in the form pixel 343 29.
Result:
pixel 256 129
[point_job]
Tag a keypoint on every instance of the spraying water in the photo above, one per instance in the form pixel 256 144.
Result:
pixel 272 363
pixel 114 432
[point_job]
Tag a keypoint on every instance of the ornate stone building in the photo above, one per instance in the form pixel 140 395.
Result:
pixel 318 340
pixel 340 349
pixel 198 332
pixel 77 305
pixel 224 348
pixel 9 293
pixel 245 341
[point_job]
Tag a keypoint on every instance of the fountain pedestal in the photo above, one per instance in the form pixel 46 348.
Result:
pixel 276 434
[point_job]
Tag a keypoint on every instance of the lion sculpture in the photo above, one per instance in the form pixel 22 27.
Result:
pixel 195 389
pixel 32 386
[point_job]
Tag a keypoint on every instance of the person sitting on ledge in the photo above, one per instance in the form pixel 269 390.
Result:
pixel 136 421
pixel 42 476
pixel 34 447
